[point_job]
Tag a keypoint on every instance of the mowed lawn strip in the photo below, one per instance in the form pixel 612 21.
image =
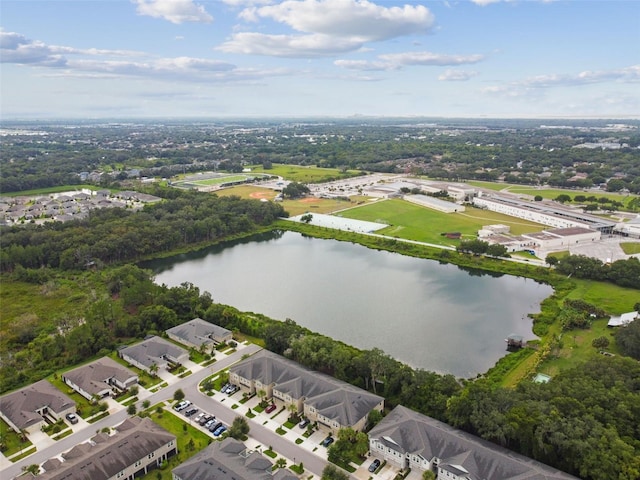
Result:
pixel 422 224
pixel 300 174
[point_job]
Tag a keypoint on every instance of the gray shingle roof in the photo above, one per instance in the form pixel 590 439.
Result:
pixel 92 378
pixel 198 331
pixel 152 351
pixel 406 431
pixel 226 460
pixel 136 438
pixel 20 406
pixel 331 398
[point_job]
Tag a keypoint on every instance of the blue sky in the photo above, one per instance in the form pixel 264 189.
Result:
pixel 236 58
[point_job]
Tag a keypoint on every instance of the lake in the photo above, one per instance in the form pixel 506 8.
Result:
pixel 429 315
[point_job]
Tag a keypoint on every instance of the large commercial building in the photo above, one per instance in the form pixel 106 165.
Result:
pixel 434 203
pixel 411 440
pixel 542 212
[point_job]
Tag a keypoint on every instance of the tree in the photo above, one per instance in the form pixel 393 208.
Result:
pixel 551 260
pixel 295 190
pixel 628 339
pixel 537 198
pixel 239 428
pixel 496 250
pixel 146 404
pixel 131 409
pixel 331 472
pixel 306 218
pixel 153 369
pixel 178 395
pixel 563 198
pixel 428 475
pixel 281 462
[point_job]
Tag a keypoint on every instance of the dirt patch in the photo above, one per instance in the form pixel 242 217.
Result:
pixel 261 195
pixel 310 200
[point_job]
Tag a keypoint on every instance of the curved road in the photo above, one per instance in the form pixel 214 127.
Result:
pixel 189 385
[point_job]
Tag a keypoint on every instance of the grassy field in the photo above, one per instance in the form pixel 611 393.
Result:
pixel 294 207
pixel 12 440
pixel 630 248
pixel 414 222
pixel 296 173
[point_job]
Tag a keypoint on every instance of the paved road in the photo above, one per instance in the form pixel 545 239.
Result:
pixel 188 384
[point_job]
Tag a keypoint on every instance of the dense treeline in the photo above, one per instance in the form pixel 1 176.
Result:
pixel 625 273
pixel 586 421
pixel 119 235
pixel 514 151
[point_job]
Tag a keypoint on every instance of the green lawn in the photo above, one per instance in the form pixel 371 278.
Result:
pixel 300 174
pixel 62 188
pixel 185 433
pixel 611 298
pixel 414 222
pixel 630 248
pixel 11 440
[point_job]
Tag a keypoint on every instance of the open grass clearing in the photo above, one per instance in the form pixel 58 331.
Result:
pixel 630 248
pixel 301 174
pixel 294 207
pixel 414 222
pixel 611 298
pixel 11 440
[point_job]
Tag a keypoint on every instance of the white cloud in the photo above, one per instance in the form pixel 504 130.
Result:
pixel 174 11
pixel 456 76
pixel 538 83
pixel 327 27
pixel 293 46
pixel 349 18
pixel 394 61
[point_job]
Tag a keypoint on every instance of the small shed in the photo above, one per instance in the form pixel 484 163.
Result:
pixel 514 341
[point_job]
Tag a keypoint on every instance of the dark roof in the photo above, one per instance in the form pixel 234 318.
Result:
pixel 92 378
pixel 198 331
pixel 225 460
pixel 409 432
pixel 20 406
pixel 135 439
pixel 332 398
pixel 153 350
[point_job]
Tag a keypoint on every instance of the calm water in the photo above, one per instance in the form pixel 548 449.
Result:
pixel 432 316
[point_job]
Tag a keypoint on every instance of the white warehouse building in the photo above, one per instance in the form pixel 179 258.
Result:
pixel 435 203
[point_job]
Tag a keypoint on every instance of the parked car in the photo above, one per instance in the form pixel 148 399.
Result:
pixel 210 423
pixel 374 465
pixel 327 441
pixel 270 408
pixel 304 422
pixel 215 426
pixel 219 431
pixel 199 417
pixel 205 418
pixel 224 388
pixel 72 417
pixel 182 405
pixel 232 389
pixel 191 411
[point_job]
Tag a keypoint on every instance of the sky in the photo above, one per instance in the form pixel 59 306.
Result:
pixel 91 59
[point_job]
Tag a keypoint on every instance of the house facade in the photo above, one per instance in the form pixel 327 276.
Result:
pixel 138 446
pixel 408 439
pixel 99 378
pixel 27 408
pixel 321 398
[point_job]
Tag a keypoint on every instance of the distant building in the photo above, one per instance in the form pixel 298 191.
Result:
pixel 27 408
pixel 623 320
pixel 198 332
pixel 408 439
pixel 435 203
pixel 99 378
pixel 138 446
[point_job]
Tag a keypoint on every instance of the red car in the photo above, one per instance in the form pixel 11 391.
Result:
pixel 270 408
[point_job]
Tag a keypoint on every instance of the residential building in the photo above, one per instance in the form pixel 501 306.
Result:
pixel 98 379
pixel 229 460
pixel 138 446
pixel 198 332
pixel 409 439
pixel 28 408
pixel 332 403
pixel 154 351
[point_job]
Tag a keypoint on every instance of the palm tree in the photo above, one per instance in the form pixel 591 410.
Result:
pixel 262 394
pixel 153 369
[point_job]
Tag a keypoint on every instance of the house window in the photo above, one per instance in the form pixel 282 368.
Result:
pixel 120 474
pixel 138 463
pixel 170 444
pixel 151 455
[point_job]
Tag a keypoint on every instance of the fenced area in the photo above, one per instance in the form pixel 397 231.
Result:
pixel 208 181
